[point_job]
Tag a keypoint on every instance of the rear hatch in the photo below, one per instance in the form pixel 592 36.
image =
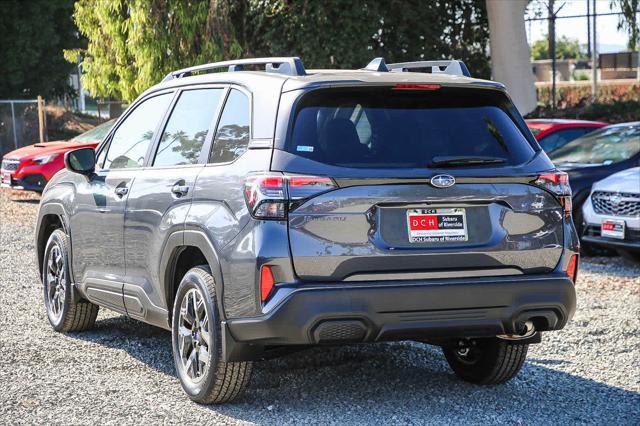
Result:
pixel 427 182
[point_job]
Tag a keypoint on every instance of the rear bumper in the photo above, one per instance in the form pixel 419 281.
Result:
pixel 633 245
pixel 631 242
pixel 398 310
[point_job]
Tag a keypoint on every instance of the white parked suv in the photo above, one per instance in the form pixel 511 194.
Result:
pixel 612 213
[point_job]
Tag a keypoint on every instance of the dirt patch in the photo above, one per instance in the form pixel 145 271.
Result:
pixel 64 124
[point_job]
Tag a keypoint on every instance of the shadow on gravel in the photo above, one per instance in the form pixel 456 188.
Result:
pixel 26 201
pixel 408 382
pixel 614 266
pixel 148 344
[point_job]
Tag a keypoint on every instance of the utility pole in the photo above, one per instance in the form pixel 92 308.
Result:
pixel 594 56
pixel 589 29
pixel 81 104
pixel 552 47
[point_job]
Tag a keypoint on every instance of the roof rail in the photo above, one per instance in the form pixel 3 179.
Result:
pixel 283 65
pixel 453 67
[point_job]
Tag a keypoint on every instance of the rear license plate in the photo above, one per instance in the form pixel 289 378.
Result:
pixel 436 225
pixel 613 228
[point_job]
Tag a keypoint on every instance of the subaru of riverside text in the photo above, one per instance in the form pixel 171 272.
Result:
pixel 254 208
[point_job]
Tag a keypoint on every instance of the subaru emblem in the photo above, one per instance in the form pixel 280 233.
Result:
pixel 615 199
pixel 443 181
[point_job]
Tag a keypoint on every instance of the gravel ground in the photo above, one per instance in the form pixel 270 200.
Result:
pixel 122 372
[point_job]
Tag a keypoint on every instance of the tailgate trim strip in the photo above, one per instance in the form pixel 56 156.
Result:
pixel 391 276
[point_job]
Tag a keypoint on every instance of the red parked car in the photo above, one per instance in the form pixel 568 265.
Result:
pixel 31 167
pixel 555 133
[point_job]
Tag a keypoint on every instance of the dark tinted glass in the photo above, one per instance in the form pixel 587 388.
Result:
pixel 96 134
pixel 232 136
pixel 187 128
pixel 82 160
pixel 130 142
pixel 607 145
pixel 561 137
pixel 388 128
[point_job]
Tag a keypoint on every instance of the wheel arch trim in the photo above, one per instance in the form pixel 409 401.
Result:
pixel 52 209
pixel 174 244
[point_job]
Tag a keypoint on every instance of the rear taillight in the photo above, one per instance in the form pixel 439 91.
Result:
pixel 572 267
pixel 558 184
pixel 266 282
pixel 266 196
pixel 271 196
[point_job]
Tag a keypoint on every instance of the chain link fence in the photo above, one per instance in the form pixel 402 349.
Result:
pixel 18 124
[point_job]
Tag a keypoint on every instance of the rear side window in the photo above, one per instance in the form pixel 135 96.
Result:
pixel 186 130
pixel 389 128
pixel 130 142
pixel 232 136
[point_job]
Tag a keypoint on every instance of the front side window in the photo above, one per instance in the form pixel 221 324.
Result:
pixel 232 136
pixel 186 130
pixel 129 144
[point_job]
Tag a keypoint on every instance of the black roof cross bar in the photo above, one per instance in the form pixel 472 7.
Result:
pixel 452 67
pixel 281 65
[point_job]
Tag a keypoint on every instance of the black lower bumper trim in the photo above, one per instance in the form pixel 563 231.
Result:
pixel 419 310
pixel 35 183
pixel 633 245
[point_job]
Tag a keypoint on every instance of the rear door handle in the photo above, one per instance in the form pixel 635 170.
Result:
pixel 180 190
pixel 121 191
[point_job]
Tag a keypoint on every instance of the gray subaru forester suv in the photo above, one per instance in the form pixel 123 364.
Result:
pixel 268 208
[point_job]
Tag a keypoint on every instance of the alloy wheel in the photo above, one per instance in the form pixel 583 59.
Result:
pixel 56 281
pixel 194 341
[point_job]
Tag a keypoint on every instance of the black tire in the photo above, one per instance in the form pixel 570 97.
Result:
pixel 487 361
pixel 215 380
pixel 64 313
pixel 630 256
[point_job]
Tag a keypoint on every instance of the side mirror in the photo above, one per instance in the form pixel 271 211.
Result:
pixel 81 160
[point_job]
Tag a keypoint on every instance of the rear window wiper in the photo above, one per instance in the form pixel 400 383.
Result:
pixel 454 161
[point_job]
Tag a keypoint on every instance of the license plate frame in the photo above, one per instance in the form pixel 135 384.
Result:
pixel 613 228
pixel 437 225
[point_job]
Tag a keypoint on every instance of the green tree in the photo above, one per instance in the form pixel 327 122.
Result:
pixel 344 33
pixel 34 34
pixel 566 48
pixel 134 43
pixel 628 21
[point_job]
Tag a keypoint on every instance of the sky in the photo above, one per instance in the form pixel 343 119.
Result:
pixel 609 38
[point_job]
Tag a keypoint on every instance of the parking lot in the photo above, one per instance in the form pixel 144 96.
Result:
pixel 122 372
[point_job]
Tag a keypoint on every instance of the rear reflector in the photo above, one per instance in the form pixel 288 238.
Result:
pixel 416 87
pixel 572 267
pixel 266 282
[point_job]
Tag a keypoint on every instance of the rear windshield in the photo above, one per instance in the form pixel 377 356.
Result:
pixel 393 128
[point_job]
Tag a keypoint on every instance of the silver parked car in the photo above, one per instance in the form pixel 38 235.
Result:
pixel 612 213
